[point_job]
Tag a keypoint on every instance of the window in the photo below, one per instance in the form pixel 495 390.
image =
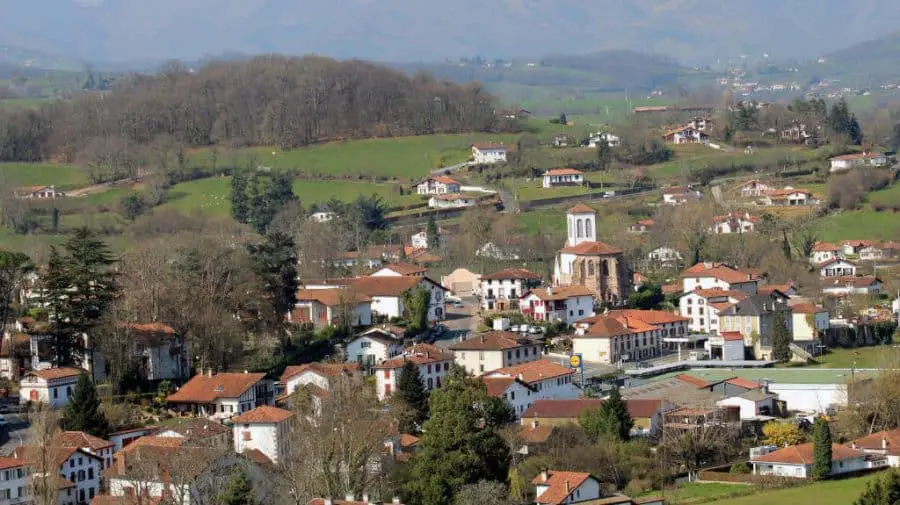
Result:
pixel 365 344
pixel 508 354
pixel 481 356
pixel 446 366
pixel 81 495
pixel 518 353
pixel 68 390
pixel 247 436
pixel 91 473
pixel 481 368
pixel 512 395
pixel 72 477
pixel 429 369
pixel 689 301
pixel 571 313
pixel 580 312
pixel 701 301
pixel 689 311
pixel 55 393
pixel 71 463
pixel 430 383
pixel 387 374
pixel 437 381
pixel 701 311
pixel 91 492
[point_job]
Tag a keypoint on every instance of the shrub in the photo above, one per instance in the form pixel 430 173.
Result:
pixel 739 469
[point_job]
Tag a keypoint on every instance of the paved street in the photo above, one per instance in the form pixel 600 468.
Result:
pixel 16 433
pixel 460 320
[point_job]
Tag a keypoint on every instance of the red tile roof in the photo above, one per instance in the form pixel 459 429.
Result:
pixel 488 146
pixel 856 156
pixel 419 354
pixel 264 414
pixel 406 268
pixel 321 369
pixel 592 248
pixel 730 336
pixel 559 293
pixel 690 379
pixel 888 441
pixel 835 260
pixel 6 463
pixel 825 247
pixel 721 272
pixel 154 441
pixel 496 386
pixel 560 486
pixel 493 341
pixel 856 282
pixel 80 439
pixel 150 328
pixel 443 179
pixel 563 171
pixel 535 434
pixel 580 209
pixel 205 389
pixel 671 289
pixel 721 293
pixel 57 373
pixel 407 440
pixel 332 297
pixel 560 409
pixel 198 428
pixel 806 308
pixel 533 371
pixel 649 316
pixel 802 454
pixel 743 383
pixel 512 273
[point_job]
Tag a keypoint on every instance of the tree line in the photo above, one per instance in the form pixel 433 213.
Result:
pixel 269 100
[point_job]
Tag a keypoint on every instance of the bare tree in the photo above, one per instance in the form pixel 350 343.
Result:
pixel 44 455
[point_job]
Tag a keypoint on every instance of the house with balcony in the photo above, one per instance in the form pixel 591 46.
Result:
pixel 495 349
pixel 563 177
pixel 503 289
pixel 709 275
pixel 837 267
pixel 438 185
pixel 432 361
pixel 823 252
pixel 489 153
pixel 702 307
pixel 375 345
pixel 552 304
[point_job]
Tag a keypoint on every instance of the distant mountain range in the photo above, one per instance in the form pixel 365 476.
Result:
pixel 692 31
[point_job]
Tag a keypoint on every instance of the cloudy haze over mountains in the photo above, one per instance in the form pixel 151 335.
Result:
pixel 693 31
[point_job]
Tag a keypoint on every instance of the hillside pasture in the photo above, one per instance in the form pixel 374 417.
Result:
pixel 42 174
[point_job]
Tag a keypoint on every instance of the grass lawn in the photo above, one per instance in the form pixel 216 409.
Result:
pixel 835 492
pixel 888 196
pixel 533 190
pixel 400 157
pixel 859 224
pixel 42 174
pixel 212 195
pixel 702 492
pixel 862 357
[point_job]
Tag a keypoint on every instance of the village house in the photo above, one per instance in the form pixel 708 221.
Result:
pixel 734 223
pixel 521 385
pixel 370 257
pixel 876 251
pixel 438 185
pixel 677 195
pixel 495 349
pixel 103 449
pixel 509 251
pixel 882 443
pixel 788 197
pixel 645 413
pixel 854 160
pixel 160 353
pixel 194 432
pixel 612 339
pixel 754 318
pixel 599 137
pixel 16 484
pixel 14 355
pixel 686 135
pixel 563 177
pixel 755 404
pixel 489 153
pixel 664 256
pixel 121 438
pixel 667 324
pixel 558 488
pixel 563 140
pixel 375 345
pixel 753 189
pixel 558 304
pixel 642 226
pixel 502 290
pixel 853 247
pixel 825 251
pixel 433 363
pixel 37 193
pixel 797 461
pixel 586 262
pixel 318 375
pixel 79 468
pixel 709 275
pixel 265 429
pixel 386 293
pixel 53 386
pixel 324 307
pixel 452 200
pixel 726 346
pixel 400 270
pixel 462 282
pixel 842 286
pixel 223 395
pixel 702 307
pixel 810 323
pixel 837 267
pixel 323 216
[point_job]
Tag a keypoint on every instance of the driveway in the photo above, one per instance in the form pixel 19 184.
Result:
pixel 17 432
pixel 451 168
pixel 459 321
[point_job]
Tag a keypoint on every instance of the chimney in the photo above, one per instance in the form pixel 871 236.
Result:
pixel 567 486
pixel 520 377
pixel 545 475
pixel 482 338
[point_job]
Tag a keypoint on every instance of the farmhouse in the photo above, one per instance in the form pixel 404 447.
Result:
pixel 734 223
pixel 223 395
pixel 825 251
pixel 265 429
pixel 489 153
pixel 642 226
pixel 677 195
pixel 599 137
pixel 534 380
pixel 853 247
pixel 495 349
pixel 553 304
pixel 753 189
pixel 664 255
pixel 848 161
pixel 788 197
pixel 686 135
pixel 563 177
pixel 718 276
pixel 452 200
pixel 375 345
pixel 79 469
pixel 323 307
pixel 438 185
pixel 320 375
pixel 863 285
pixel 797 461
pixel 53 386
pixel 837 268
pixel 37 193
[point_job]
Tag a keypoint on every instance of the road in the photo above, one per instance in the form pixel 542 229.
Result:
pixel 17 433
pixel 451 168
pixel 460 321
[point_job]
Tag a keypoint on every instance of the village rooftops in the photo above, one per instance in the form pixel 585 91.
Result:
pixel 654 317
pixel 825 247
pixel 581 209
pixel 489 146
pixel 719 293
pixel 718 271
pixel 332 297
pixel 50 374
pixel 559 293
pixel 559 485
pixel 802 454
pixel 405 268
pixel 493 341
pixel 533 371
pixel 443 179
pixel 207 389
pixel 563 171
pixel 513 274
pixel 195 429
pixel 850 281
pixel 264 414
pixel 321 369
pixel 591 248
pixel 884 442
pixel 856 156
pixel 80 439
pixel 419 354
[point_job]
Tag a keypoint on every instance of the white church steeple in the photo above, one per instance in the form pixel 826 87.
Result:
pixel 581 222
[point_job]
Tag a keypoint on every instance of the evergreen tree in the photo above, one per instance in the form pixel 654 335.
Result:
pixel 240 203
pixel 460 444
pixel 563 119
pixel 610 420
pixel 882 491
pixel 604 154
pixel 648 296
pixel 781 338
pixel 413 398
pixel 83 411
pixel 275 262
pixel 415 309
pixel 431 230
pixel 785 245
pixel 282 190
pixel 821 467
pixel 13 267
pixel 238 490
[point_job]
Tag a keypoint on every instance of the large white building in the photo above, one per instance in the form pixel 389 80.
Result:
pixel 323 307
pixel 384 293
pixel 718 276
pixel 375 345
pixel 495 349
pixel 797 461
pixel 502 290
pixel 853 160
pixel 521 385
pixel 53 386
pixel 489 153
pixel 80 470
pixel 432 361
pixel 614 338
pixel 265 429
pixel 702 306
pixel 15 484
pixel 558 304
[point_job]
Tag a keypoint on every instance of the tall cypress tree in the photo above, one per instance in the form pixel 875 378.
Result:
pixel 83 411
pixel 413 399
pixel 615 421
pixel 240 203
pixel 431 230
pixel 821 467
pixel 275 262
pixel 781 338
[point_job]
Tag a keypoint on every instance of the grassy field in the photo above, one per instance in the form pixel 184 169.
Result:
pixel 42 174
pixel 211 195
pixel 888 196
pixel 401 157
pixel 835 492
pixel 695 157
pixel 702 492
pixel 856 224
pixel 861 357
pixel 23 103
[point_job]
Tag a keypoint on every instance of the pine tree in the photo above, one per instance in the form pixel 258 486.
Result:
pixel 616 422
pixel 431 230
pixel 275 262
pixel 781 338
pixel 83 411
pixel 238 490
pixel 413 399
pixel 821 449
pixel 240 204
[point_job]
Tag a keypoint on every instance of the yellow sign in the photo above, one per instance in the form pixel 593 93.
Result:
pixel 575 361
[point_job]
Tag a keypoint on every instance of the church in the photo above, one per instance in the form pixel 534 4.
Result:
pixel 584 261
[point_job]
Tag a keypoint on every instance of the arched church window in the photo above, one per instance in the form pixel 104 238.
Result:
pixel 605 269
pixel 588 228
pixel 579 229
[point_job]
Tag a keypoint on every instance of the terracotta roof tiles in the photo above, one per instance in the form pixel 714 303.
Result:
pixel 512 273
pixel 206 389
pixel 493 341
pixel 322 369
pixel 802 454
pixel 533 371
pixel 264 414
pixel 592 248
pixel 560 486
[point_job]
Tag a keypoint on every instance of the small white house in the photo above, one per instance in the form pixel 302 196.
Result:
pixel 489 153
pixel 323 216
pixel 734 223
pixel 753 188
pixel 883 443
pixel 718 276
pixel 322 307
pixel 864 285
pixel 751 404
pixel 375 345
pixel 837 268
pixel 686 135
pixel 15 487
pixel 265 429
pixel 535 380
pixel 451 200
pixel 223 395
pixel 556 488
pixel 664 255
pixel 598 137
pixel 37 192
pixel 53 386
pixel 438 185
pixel 567 304
pixel 797 460
pixel 789 197
pixel 563 177
pixel 320 375
pixel 677 195
pixel 848 161
pixel 433 363
pixel 825 251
